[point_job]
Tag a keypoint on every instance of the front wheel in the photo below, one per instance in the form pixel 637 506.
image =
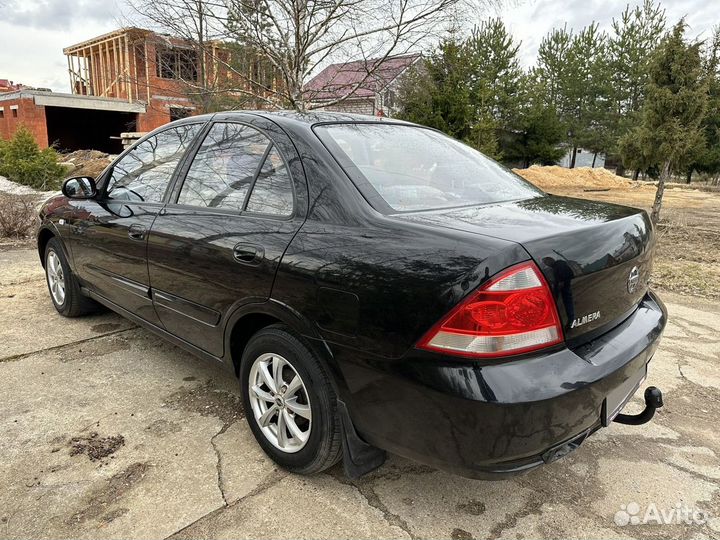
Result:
pixel 289 402
pixel 62 285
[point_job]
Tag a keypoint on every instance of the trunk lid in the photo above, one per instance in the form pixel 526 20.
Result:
pixel 596 257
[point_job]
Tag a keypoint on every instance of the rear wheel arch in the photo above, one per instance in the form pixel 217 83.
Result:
pixel 242 330
pixel 248 321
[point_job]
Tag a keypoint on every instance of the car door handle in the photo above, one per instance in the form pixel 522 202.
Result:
pixel 248 254
pixel 137 231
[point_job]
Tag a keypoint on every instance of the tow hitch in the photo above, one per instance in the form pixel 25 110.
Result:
pixel 653 401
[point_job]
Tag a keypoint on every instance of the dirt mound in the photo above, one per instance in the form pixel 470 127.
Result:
pixel 86 162
pixel 548 178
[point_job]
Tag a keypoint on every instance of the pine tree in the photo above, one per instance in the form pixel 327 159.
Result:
pixel 435 93
pixel 495 77
pixel 573 69
pixel 592 90
pixel 22 161
pixel 673 109
pixel 470 89
pixel 708 159
pixel 553 69
pixel 634 37
pixel 540 129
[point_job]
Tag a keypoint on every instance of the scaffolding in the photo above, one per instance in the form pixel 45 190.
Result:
pixel 135 64
pixel 111 65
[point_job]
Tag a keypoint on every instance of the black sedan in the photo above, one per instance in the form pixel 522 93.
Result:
pixel 374 285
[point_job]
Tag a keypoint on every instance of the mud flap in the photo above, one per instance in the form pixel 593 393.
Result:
pixel 359 457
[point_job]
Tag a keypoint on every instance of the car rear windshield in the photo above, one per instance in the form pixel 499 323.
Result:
pixel 413 168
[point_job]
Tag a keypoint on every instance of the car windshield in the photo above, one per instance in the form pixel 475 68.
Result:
pixel 414 168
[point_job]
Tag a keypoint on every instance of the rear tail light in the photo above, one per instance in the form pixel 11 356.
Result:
pixel 513 313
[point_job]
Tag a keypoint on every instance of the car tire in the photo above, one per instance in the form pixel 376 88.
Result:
pixel 322 446
pixel 64 288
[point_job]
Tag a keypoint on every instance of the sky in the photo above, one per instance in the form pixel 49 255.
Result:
pixel 34 32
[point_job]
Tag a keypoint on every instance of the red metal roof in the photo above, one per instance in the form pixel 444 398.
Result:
pixel 7 85
pixel 336 80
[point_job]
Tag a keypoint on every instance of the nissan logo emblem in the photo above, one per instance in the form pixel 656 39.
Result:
pixel 633 279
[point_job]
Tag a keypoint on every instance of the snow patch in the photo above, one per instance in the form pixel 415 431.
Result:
pixel 13 188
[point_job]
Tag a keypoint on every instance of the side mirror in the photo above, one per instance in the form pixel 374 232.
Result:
pixel 80 187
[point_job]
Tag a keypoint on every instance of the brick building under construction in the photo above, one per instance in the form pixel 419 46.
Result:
pixel 124 81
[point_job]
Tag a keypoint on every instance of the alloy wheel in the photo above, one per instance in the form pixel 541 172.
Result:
pixel 55 277
pixel 280 402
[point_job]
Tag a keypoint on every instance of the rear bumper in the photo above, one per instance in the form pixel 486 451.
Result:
pixel 482 420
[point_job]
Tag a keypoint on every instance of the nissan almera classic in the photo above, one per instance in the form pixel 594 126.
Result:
pixel 374 285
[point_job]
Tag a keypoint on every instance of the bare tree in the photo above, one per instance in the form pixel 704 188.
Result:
pixel 189 31
pixel 267 50
pixel 299 36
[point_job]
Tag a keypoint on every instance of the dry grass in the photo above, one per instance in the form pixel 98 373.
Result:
pixel 687 277
pixel 17 215
pixel 688 253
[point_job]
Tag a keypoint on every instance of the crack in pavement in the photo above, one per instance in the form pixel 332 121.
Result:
pixel 206 400
pixel 22 356
pixel 692 327
pixel 683 352
pixel 219 464
pixel 259 489
pixel 373 499
pixel 691 472
pixel 682 374
pixel 531 507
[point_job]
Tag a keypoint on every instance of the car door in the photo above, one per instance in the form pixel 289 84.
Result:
pixel 234 210
pixel 109 235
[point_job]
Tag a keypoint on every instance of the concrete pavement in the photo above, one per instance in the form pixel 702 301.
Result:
pixel 110 432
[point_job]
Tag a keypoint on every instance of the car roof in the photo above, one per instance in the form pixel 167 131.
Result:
pixel 307 118
pixel 317 117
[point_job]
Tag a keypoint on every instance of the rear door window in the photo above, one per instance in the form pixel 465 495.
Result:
pixel 272 193
pixel 224 167
pixel 143 174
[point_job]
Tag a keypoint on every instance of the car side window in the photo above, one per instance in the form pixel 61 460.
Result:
pixel 224 167
pixel 143 174
pixel 272 193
